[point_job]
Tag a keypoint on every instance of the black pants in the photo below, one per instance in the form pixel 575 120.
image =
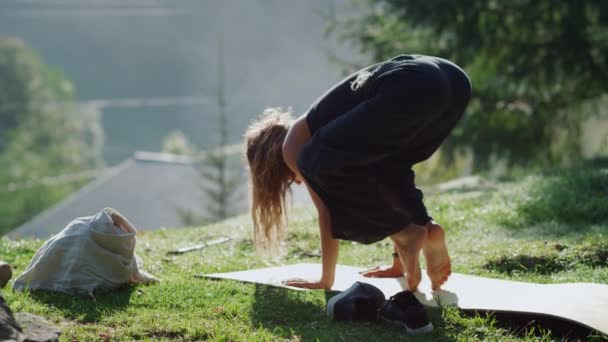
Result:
pixel 360 163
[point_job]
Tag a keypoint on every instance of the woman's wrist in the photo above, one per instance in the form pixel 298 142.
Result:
pixel 326 282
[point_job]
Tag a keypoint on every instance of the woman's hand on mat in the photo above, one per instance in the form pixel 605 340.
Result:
pixel 383 272
pixel 306 284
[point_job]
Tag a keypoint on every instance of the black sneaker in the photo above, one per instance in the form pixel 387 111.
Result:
pixel 406 310
pixel 359 303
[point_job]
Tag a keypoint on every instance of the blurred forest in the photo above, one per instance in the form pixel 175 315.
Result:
pixel 539 71
pixel 42 133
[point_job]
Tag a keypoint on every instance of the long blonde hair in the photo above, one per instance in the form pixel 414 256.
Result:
pixel 270 178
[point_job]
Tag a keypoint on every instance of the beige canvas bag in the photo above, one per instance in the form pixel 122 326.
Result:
pixel 91 253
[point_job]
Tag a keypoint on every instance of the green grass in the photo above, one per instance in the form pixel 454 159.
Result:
pixel 543 228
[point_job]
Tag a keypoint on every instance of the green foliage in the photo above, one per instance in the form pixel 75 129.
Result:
pixel 221 178
pixel 42 133
pixel 20 205
pixel 176 142
pixel 552 258
pixel 220 175
pixel 533 64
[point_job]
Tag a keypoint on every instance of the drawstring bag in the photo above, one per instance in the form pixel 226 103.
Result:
pixel 91 253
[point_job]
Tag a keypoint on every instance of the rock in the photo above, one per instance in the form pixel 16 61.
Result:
pixel 9 328
pixel 37 329
pixel 5 274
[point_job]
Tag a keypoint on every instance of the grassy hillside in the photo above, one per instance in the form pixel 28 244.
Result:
pixel 542 228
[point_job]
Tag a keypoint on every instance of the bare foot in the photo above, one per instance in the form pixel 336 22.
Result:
pixel 383 272
pixel 409 242
pixel 438 265
pixel 393 271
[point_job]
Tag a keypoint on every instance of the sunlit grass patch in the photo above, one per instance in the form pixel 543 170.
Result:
pixel 574 197
pixel 541 264
pixel 551 257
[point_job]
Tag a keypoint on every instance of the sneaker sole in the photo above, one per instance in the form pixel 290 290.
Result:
pixel 424 330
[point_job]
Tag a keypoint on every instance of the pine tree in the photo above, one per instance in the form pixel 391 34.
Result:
pixel 221 181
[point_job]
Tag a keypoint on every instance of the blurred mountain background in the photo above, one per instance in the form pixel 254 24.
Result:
pixel 276 54
pixel 86 84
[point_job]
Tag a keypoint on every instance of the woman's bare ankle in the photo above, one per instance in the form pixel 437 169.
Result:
pixel 409 242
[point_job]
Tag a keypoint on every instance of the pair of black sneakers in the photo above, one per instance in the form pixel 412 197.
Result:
pixel 363 302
